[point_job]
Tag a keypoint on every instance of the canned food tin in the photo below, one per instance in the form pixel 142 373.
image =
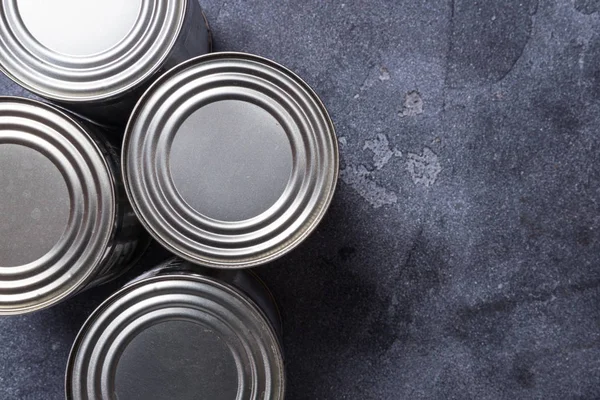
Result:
pixel 181 332
pixel 230 160
pixel 65 221
pixel 96 57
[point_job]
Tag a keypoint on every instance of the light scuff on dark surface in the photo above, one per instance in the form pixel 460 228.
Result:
pixel 461 255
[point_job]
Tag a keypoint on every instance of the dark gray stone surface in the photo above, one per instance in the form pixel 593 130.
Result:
pixel 461 255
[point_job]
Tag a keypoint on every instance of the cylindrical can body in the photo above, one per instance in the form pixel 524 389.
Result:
pixel 181 331
pixel 230 160
pixel 65 220
pixel 75 59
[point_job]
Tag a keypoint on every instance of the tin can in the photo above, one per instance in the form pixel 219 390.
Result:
pixel 230 160
pixel 181 332
pixel 97 57
pixel 65 221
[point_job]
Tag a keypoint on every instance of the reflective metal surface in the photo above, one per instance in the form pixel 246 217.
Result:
pixel 64 219
pixel 230 160
pixel 95 56
pixel 179 334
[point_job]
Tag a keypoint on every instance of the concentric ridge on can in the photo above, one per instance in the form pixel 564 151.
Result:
pixel 65 221
pixel 97 57
pixel 230 160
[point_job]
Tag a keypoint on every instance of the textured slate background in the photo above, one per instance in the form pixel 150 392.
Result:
pixel 460 259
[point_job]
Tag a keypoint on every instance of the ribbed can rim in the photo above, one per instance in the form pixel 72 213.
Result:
pixel 169 218
pixel 95 77
pixel 75 259
pixel 214 305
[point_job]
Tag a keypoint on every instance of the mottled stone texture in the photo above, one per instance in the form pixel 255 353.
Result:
pixel 461 255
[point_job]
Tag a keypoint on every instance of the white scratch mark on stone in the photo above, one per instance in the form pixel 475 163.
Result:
pixel 384 74
pixel 382 153
pixel 343 141
pixel 424 169
pixel 360 179
pixel 375 76
pixel 413 104
pixel 36 214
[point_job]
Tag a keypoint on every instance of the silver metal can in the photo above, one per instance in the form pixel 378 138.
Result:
pixel 230 160
pixel 97 57
pixel 181 332
pixel 65 221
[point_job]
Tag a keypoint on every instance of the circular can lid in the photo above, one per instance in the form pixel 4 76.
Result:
pixel 176 337
pixel 77 51
pixel 230 160
pixel 57 205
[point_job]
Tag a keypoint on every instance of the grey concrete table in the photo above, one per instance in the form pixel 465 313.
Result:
pixel 461 255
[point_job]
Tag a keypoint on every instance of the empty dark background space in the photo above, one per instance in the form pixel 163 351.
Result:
pixel 461 255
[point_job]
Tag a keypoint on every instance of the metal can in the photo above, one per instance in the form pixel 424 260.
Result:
pixel 181 332
pixel 65 221
pixel 230 160
pixel 97 57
